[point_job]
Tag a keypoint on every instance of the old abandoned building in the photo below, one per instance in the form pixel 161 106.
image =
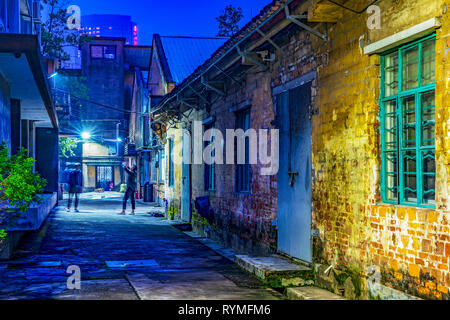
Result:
pixel 363 180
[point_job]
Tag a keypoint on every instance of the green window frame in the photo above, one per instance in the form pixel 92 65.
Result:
pixel 407 117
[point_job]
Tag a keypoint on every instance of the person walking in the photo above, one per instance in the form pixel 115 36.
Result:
pixel 131 189
pixel 75 187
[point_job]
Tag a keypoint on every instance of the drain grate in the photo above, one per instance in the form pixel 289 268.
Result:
pixel 132 264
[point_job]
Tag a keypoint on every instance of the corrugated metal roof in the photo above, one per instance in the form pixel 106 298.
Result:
pixel 266 14
pixel 138 56
pixel 184 54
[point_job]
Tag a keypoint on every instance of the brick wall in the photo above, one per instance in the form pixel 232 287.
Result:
pixel 245 221
pixel 408 245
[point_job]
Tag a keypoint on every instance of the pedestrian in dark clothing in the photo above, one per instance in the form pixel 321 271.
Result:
pixel 75 187
pixel 131 188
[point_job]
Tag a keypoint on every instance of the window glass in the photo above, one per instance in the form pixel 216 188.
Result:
pixel 410 68
pixel 428 122
pixel 110 52
pixel 428 62
pixel 97 52
pixel 391 74
pixel 409 122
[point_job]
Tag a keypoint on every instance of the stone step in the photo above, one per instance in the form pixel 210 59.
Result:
pixel 276 271
pixel 311 293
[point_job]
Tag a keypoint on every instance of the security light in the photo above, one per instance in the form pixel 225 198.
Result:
pixel 86 135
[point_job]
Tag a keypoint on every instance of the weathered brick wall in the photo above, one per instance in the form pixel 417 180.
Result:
pixel 245 221
pixel 410 246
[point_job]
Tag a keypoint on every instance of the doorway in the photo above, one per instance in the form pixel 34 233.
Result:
pixel 294 176
pixel 104 177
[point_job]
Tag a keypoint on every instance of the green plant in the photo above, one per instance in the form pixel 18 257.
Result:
pixel 196 218
pixel 172 212
pixel 19 185
pixel 2 234
pixel 54 35
pixel 67 147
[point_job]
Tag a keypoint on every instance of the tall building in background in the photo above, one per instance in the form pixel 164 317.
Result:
pixel 110 25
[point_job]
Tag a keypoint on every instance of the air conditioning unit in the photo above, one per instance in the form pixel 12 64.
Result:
pixel 36 12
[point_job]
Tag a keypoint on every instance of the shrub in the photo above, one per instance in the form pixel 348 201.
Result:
pixel 19 185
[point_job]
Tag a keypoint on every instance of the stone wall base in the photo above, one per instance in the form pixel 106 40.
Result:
pixel 8 244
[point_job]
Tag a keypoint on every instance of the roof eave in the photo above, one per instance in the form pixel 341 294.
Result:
pixel 29 45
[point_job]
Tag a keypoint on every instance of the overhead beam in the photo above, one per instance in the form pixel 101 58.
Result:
pixel 227 75
pixel 210 85
pixel 247 56
pixel 198 94
pixel 187 104
pixel 269 40
pixel 304 26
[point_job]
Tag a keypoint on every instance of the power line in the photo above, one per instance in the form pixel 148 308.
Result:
pixel 99 104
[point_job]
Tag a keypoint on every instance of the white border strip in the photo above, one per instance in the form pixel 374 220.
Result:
pixel 402 37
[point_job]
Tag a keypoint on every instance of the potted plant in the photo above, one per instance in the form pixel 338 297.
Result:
pixel 20 187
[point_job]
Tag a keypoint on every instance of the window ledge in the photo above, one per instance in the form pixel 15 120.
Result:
pixel 390 205
pixel 403 37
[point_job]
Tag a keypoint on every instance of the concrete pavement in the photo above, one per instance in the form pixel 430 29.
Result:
pixel 177 266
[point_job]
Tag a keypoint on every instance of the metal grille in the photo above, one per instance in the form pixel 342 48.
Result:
pixel 104 176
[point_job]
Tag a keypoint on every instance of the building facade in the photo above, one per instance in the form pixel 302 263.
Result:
pixel 139 136
pixel 110 25
pixel 27 115
pixel 173 60
pixel 363 175
pixel 104 117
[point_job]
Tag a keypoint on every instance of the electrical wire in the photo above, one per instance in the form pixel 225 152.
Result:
pixel 350 9
pixel 100 104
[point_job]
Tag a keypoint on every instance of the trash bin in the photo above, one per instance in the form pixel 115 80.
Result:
pixel 148 192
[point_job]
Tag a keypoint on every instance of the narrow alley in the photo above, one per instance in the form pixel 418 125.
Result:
pixel 178 267
pixel 273 150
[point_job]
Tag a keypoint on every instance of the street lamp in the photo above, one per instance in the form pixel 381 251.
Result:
pixel 86 135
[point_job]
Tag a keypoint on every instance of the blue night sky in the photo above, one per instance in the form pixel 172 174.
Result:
pixel 171 18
